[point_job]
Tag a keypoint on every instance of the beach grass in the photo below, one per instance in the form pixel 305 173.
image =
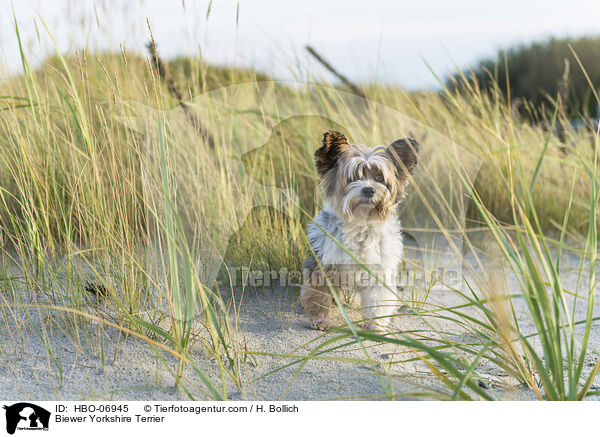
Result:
pixel 125 208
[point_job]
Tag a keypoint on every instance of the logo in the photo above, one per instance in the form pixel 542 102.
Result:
pixel 25 416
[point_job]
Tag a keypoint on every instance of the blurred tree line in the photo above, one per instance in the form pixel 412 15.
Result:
pixel 540 71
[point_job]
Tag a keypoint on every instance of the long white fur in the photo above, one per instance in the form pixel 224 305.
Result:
pixel 377 244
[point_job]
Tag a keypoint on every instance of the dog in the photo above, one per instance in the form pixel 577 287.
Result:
pixel 361 186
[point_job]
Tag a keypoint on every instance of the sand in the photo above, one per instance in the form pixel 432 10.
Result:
pixel 270 321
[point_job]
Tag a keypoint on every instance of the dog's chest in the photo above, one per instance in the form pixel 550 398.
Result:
pixel 373 244
pixel 362 242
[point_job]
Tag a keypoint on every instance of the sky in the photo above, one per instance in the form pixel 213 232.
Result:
pixel 395 42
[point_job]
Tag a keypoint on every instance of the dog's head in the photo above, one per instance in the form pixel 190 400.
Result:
pixel 364 183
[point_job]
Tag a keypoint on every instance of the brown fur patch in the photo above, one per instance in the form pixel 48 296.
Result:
pixel 316 299
pixel 326 157
pixel 404 155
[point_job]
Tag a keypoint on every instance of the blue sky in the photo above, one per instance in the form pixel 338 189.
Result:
pixel 367 40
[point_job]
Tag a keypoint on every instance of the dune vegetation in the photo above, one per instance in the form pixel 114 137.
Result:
pixel 130 191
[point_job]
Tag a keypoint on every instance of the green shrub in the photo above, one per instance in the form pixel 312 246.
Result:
pixel 535 72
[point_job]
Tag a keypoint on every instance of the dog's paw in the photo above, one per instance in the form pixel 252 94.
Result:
pixel 317 324
pixel 368 326
pixel 381 325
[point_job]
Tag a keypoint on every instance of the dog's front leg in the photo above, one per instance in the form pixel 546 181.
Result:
pixel 378 304
pixel 317 302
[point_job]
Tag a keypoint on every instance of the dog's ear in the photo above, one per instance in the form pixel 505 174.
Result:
pixel 404 156
pixel 327 155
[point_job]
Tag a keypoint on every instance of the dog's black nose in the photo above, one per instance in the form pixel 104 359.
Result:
pixel 368 192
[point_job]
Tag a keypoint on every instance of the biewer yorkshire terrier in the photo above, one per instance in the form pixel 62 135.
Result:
pixel 362 186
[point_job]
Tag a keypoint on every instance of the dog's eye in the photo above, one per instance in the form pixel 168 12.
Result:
pixel 379 178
